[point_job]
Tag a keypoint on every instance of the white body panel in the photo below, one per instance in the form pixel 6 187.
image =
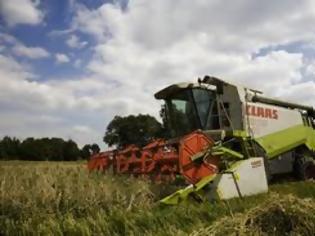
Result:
pixel 261 119
pixel 250 177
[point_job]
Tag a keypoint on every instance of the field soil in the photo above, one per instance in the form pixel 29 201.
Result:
pixel 62 198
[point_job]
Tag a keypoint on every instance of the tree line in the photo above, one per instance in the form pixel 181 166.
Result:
pixel 121 131
pixel 44 149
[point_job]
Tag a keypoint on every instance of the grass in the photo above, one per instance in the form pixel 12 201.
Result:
pixel 51 198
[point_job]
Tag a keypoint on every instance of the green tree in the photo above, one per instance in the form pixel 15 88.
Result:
pixel 89 149
pixel 95 148
pixel 139 130
pixel 43 149
pixel 49 149
pixel 57 149
pixel 9 148
pixel 86 151
pixel 71 151
pixel 31 150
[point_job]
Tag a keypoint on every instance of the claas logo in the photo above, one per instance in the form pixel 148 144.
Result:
pixel 262 112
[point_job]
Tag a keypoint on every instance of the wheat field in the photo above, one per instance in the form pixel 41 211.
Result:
pixel 51 198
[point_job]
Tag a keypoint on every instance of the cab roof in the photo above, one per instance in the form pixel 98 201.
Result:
pixel 202 83
pixel 166 92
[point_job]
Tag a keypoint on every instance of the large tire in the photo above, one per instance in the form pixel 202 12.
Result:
pixel 304 167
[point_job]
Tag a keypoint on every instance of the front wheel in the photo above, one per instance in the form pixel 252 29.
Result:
pixel 304 168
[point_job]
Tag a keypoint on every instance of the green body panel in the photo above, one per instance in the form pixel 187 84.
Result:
pixel 285 140
pixel 240 134
pixel 182 194
pixel 223 151
pixel 274 144
pixel 218 150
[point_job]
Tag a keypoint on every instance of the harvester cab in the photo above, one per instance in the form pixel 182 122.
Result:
pixel 209 105
pixel 226 141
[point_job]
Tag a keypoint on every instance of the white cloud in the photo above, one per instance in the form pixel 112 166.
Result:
pixel 30 52
pixel 74 42
pixel 156 43
pixel 162 42
pixel 55 33
pixel 10 70
pixel 77 63
pixel 21 12
pixel 9 39
pixel 269 73
pixel 82 129
pixel 302 92
pixel 310 69
pixel 19 49
pixel 244 23
pixel 51 108
pixel 61 58
pixel 92 21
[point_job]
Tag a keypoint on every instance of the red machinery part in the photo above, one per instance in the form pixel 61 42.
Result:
pixel 100 161
pixel 161 161
pixel 165 162
pixel 190 145
pixel 126 160
pixel 157 160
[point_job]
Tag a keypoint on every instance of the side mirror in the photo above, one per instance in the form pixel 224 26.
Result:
pixel 163 113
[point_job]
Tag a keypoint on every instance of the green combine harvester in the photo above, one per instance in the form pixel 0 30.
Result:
pixel 227 141
pixel 244 138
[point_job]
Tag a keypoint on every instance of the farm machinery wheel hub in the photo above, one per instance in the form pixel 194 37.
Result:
pixel 193 147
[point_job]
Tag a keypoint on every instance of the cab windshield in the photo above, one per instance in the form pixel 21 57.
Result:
pixel 191 109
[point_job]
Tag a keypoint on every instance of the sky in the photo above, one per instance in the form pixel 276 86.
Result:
pixel 67 67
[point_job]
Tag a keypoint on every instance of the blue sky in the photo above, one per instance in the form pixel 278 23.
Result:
pixel 58 17
pixel 68 66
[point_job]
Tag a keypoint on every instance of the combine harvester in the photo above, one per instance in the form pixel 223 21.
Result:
pixel 228 141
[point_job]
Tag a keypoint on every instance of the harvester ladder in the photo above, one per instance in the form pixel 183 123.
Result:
pixel 249 147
